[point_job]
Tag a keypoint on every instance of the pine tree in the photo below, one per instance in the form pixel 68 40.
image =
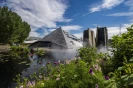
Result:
pixel 12 28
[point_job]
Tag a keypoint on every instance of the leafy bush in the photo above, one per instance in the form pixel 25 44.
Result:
pixel 88 54
pixel 122 62
pixel 122 47
pixel 106 63
pixel 122 77
pixel 40 52
pixel 75 74
pixel 12 28
pixel 18 52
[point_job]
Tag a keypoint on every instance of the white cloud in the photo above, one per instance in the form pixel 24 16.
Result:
pixel 42 13
pixel 71 27
pixel 106 4
pixel 95 9
pixel 117 30
pixel 52 30
pixel 129 13
pixel 45 32
pixel 129 3
pixel 68 29
pixel 34 34
pixel 76 15
pixel 122 14
pixel 79 35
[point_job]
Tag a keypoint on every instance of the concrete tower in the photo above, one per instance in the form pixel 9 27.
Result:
pixel 102 37
pixel 89 38
pixel 93 38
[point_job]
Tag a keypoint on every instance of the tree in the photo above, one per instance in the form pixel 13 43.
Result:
pixel 122 47
pixel 12 28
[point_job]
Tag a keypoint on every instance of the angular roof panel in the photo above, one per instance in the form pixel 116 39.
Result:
pixel 56 37
pixel 61 38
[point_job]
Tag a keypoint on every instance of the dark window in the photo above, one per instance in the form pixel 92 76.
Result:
pixel 44 44
pixel 41 44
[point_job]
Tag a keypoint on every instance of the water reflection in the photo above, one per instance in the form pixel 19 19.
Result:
pixel 10 67
pixel 36 63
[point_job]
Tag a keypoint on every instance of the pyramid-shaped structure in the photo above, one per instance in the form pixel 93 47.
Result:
pixel 58 37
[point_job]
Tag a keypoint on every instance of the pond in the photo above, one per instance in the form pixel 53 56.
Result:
pixel 10 66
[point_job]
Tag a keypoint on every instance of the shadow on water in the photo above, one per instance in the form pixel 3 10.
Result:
pixel 9 68
pixel 12 66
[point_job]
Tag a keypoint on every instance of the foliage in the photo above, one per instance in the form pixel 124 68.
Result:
pixel 18 52
pixel 13 63
pixel 106 63
pixel 12 28
pixel 88 54
pixel 23 52
pixel 122 77
pixel 40 52
pixel 122 47
pixel 75 74
pixel 122 61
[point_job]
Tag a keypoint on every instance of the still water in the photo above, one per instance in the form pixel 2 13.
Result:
pixel 10 67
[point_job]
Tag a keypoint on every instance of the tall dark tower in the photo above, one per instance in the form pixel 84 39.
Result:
pixel 89 38
pixel 85 38
pixel 102 37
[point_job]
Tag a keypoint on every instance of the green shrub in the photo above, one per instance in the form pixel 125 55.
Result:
pixel 106 63
pixel 73 75
pixel 122 47
pixel 88 54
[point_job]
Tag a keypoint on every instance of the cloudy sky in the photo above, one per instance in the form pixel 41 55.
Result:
pixel 74 16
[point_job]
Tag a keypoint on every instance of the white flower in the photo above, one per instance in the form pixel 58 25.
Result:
pixel 57 79
pixel 40 76
pixel 21 86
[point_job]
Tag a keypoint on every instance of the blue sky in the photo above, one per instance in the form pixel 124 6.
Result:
pixel 74 16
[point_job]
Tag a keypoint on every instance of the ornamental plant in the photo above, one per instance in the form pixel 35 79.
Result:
pixel 72 75
pixel 122 47
pixel 88 54
pixel 122 77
